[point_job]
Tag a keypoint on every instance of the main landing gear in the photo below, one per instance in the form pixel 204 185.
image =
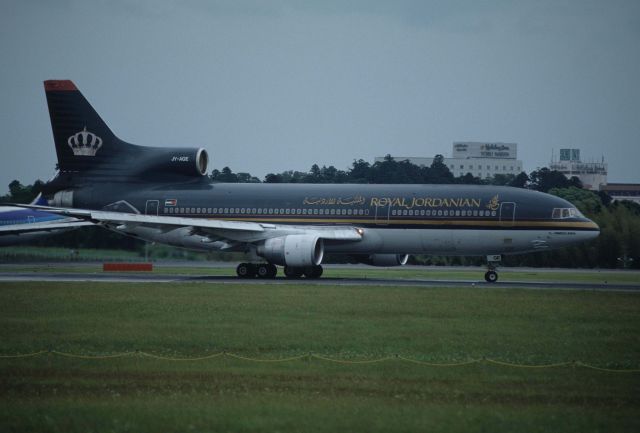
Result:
pixel 491 276
pixel 308 271
pixel 262 270
pixel 268 270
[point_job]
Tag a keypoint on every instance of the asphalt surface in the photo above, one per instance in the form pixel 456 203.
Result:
pixel 156 278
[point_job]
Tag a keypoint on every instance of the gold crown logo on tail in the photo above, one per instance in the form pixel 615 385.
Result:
pixel 84 143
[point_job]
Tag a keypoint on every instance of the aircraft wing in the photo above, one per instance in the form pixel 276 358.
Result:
pixel 216 229
pixel 17 229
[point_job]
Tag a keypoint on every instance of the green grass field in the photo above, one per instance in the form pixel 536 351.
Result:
pixel 142 394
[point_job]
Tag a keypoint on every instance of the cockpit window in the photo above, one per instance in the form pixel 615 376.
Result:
pixel 565 212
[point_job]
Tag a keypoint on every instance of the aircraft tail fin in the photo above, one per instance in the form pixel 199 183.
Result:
pixel 40 200
pixel 82 139
pixel 87 149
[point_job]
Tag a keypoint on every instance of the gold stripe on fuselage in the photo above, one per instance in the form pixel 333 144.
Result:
pixel 566 225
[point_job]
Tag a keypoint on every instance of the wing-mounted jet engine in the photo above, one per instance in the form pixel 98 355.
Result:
pixel 293 250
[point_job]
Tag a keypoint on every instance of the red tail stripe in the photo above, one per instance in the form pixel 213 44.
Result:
pixel 59 85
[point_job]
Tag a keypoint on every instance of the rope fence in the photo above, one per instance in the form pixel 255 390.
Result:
pixel 310 356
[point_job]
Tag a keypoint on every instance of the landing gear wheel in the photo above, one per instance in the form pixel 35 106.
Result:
pixel 491 276
pixel 291 272
pixel 246 270
pixel 266 270
pixel 313 271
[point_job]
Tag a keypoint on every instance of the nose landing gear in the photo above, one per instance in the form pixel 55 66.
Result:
pixel 491 276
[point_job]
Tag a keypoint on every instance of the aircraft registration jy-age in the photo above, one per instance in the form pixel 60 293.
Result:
pixel 163 195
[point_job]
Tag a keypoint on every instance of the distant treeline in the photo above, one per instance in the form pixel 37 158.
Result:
pixel 617 246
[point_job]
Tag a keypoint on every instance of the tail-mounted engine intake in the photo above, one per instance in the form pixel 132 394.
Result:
pixel 186 162
pixel 384 259
pixel 293 250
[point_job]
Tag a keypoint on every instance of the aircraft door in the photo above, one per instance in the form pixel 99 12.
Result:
pixel 382 215
pixel 152 207
pixel 507 213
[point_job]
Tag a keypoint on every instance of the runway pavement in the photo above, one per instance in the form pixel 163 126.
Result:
pixel 159 278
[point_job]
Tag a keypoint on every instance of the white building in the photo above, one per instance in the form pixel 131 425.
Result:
pixel 593 175
pixel 623 191
pixel 480 159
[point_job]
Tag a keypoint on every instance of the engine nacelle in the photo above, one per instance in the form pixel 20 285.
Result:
pixel 293 250
pixel 187 161
pixel 384 259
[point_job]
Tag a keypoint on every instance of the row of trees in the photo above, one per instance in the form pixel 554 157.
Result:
pixel 618 244
pixel 391 171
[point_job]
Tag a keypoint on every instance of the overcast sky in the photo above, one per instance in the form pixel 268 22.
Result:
pixel 267 86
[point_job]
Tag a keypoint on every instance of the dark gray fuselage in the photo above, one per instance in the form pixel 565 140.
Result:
pixel 436 219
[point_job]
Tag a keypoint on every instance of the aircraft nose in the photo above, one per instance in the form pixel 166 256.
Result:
pixel 594 230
